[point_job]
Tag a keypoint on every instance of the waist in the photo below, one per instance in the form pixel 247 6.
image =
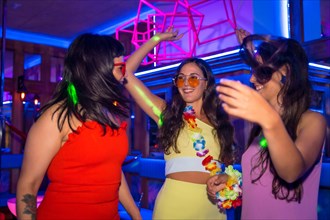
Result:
pixel 190 176
pixel 65 193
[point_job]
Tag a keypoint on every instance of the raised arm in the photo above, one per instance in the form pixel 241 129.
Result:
pixel 43 142
pixel 151 104
pixel 241 34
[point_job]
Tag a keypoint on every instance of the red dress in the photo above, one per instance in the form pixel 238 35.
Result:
pixel 85 175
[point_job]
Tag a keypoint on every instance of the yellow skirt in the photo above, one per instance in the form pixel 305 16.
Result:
pixel 184 200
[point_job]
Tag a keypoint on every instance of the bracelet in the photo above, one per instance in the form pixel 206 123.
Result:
pixel 231 195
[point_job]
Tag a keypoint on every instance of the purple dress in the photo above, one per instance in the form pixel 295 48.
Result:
pixel 259 202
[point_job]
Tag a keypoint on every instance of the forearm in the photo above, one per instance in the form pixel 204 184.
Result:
pixel 127 201
pixel 26 204
pixel 151 104
pixel 136 58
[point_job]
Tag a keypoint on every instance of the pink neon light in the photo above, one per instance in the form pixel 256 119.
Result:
pixel 184 16
pixel 11 203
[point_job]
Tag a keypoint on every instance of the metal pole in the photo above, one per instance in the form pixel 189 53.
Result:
pixel 2 77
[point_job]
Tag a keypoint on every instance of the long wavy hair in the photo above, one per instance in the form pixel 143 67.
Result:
pixel 88 67
pixel 294 97
pixel 173 121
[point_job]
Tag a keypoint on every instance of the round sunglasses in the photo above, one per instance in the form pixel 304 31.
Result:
pixel 193 80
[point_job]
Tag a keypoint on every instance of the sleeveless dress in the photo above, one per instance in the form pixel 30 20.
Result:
pixel 259 202
pixel 85 175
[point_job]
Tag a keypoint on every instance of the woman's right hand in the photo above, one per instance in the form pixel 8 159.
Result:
pixel 216 183
pixel 241 101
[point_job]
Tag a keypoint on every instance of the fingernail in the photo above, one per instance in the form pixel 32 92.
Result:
pixel 223 80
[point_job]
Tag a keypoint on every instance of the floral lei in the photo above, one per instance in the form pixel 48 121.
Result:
pixel 231 195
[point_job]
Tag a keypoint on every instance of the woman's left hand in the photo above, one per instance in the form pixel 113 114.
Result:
pixel 244 102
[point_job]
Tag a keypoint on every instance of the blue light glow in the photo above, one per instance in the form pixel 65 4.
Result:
pixel 32 61
pixel 177 64
pixel 7 102
pixel 157 69
pixel 212 57
pixel 284 18
pixel 108 28
pixel 311 20
pixel 221 54
pixel 35 38
pixel 320 66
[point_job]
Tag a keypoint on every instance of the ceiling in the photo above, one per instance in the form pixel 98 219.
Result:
pixel 65 19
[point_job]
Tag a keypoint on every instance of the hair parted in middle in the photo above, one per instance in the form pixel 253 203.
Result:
pixel 173 121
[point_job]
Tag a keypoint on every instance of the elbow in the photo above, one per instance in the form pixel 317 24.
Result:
pixel 289 179
pixel 27 187
pixel 291 176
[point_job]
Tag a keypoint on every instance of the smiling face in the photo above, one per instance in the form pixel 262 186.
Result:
pixel 270 89
pixel 190 94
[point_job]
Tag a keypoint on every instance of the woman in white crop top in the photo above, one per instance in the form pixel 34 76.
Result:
pixel 192 128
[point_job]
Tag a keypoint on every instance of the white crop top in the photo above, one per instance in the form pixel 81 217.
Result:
pixel 181 164
pixel 185 164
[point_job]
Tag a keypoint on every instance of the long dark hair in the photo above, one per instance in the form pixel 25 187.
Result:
pixel 173 121
pixel 294 97
pixel 88 68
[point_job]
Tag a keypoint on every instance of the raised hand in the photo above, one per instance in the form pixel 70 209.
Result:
pixel 244 102
pixel 169 35
pixel 241 34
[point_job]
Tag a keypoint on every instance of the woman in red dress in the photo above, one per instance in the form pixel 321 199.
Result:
pixel 80 140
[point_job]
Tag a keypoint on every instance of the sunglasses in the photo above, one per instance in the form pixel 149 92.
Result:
pixel 193 80
pixel 123 67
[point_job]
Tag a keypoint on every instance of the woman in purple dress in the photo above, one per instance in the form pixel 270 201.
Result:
pixel 282 163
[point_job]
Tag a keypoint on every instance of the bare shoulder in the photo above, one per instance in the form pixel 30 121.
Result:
pixel 49 122
pixel 53 119
pixel 312 120
pixel 45 122
pixel 313 117
pixel 43 142
pixel 49 116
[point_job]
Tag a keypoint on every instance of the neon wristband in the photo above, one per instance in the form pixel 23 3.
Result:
pixel 156 38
